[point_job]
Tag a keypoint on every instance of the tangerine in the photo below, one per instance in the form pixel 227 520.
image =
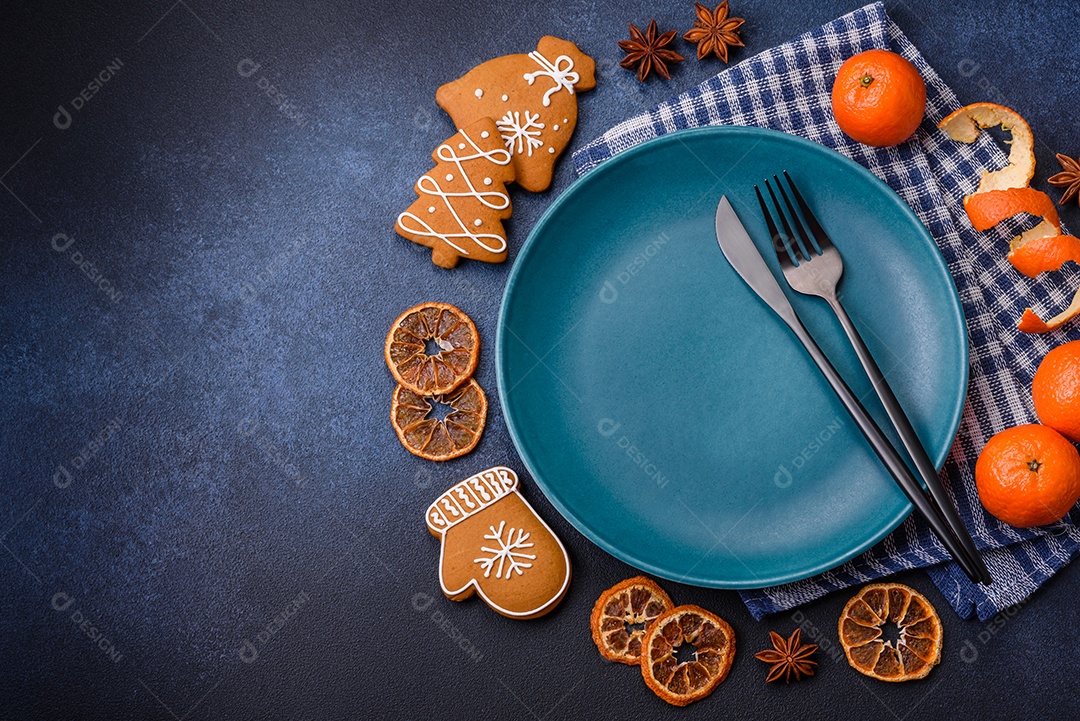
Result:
pixel 878 98
pixel 1029 475
pixel 1056 390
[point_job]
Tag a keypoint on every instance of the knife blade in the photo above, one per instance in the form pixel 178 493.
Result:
pixel 746 259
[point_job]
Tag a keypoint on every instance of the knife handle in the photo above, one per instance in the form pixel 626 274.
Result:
pixel 885 451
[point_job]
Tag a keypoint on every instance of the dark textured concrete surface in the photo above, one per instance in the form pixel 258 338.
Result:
pixel 204 512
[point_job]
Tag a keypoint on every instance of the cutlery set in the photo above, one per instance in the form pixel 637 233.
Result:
pixel 811 265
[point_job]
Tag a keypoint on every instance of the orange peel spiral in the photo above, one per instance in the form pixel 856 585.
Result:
pixel 1005 193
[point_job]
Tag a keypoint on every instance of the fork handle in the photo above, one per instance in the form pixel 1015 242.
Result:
pixel 912 443
pixel 885 451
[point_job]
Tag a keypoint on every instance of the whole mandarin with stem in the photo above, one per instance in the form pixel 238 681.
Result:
pixel 1028 476
pixel 878 98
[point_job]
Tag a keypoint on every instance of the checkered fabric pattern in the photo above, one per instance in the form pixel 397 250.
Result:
pixel 787 88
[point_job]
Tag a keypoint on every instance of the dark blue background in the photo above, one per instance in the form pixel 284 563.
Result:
pixel 231 371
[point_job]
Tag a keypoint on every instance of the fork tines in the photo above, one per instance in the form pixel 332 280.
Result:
pixel 808 237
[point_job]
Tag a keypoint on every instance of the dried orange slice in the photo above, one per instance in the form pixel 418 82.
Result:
pixel 455 347
pixel 624 614
pixel 1031 322
pixel 1042 255
pixel 686 654
pixel 439 440
pixel 915 651
pixel 964 125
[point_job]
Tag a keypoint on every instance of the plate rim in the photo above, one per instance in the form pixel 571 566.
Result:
pixel 611 165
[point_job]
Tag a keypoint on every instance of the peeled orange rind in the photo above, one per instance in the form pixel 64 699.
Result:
pixel 452 332
pixel 1005 193
pixel 987 209
pixel 681 682
pixel 1030 322
pixel 965 124
pixel 1042 255
pixel 917 648
pixel 624 614
pixel 1045 229
pixel 439 440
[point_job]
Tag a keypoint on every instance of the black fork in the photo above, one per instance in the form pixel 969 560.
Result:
pixel 813 266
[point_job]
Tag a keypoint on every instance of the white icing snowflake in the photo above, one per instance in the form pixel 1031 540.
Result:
pixel 526 135
pixel 508 555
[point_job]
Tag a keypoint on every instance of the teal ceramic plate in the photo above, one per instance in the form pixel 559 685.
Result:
pixel 662 407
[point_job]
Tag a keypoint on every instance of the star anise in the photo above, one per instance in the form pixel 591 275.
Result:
pixel 648 52
pixel 714 31
pixel 788 658
pixel 1068 178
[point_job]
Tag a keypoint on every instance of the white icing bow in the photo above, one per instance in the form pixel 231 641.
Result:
pixel 563 75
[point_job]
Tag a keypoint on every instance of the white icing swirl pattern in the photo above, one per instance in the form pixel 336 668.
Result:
pixel 561 71
pixel 430 187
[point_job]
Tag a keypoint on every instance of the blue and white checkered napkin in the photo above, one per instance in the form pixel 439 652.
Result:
pixel 788 88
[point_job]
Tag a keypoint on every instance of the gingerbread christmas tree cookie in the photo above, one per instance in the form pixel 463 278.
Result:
pixel 494 545
pixel 462 201
pixel 533 99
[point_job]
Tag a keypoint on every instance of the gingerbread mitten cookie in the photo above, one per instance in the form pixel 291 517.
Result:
pixel 494 544
pixel 462 201
pixel 532 97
